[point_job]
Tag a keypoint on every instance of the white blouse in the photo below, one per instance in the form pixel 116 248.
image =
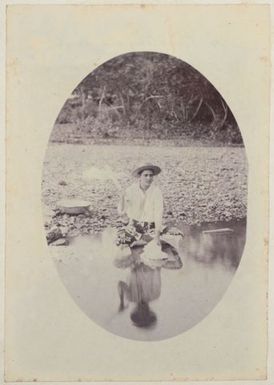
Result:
pixel 143 206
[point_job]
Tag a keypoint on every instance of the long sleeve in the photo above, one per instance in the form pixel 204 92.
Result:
pixel 158 209
pixel 121 205
pixel 143 206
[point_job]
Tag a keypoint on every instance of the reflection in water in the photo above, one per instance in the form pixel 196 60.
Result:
pixel 144 283
pixel 205 245
pixel 184 296
pixel 142 316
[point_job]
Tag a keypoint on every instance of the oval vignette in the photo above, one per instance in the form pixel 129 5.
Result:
pixel 139 108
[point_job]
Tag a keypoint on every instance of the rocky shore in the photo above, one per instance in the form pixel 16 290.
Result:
pixel 199 184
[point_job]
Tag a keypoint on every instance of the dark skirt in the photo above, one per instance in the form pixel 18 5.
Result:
pixel 144 284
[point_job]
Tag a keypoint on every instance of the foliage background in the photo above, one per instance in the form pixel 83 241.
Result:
pixel 146 96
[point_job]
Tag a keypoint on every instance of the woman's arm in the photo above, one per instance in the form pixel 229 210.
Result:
pixel 121 204
pixel 158 213
pixel 122 209
pixel 173 264
pixel 174 261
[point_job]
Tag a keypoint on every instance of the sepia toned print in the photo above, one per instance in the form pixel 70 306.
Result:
pixel 75 312
pixel 145 171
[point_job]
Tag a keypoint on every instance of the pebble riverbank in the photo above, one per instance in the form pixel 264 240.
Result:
pixel 199 184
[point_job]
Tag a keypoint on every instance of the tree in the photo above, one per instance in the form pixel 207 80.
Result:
pixel 147 91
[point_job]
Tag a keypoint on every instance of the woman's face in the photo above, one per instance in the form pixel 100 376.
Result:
pixel 146 178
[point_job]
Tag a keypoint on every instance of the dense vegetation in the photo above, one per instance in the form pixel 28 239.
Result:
pixel 146 96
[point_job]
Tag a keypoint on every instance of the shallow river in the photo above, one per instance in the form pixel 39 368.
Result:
pixel 187 294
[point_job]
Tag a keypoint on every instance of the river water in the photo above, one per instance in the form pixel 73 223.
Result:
pixel 187 294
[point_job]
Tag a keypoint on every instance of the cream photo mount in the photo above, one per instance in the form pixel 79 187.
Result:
pixel 49 49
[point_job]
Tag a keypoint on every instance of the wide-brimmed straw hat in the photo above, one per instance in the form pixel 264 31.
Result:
pixel 148 166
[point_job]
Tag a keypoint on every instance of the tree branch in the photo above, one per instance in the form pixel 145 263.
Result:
pixel 212 112
pixel 101 99
pixel 225 113
pixel 197 109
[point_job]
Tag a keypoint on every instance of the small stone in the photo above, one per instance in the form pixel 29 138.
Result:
pixel 53 234
pixel 60 242
pixel 64 230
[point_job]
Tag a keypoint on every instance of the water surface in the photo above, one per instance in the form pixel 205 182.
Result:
pixel 187 295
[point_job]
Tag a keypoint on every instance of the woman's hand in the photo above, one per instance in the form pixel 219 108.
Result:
pixel 157 238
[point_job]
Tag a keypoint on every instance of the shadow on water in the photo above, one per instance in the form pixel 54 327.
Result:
pixel 184 295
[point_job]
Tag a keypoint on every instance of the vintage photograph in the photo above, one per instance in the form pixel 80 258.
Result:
pixel 144 195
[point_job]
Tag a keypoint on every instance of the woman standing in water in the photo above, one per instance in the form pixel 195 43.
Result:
pixel 141 210
pixel 141 207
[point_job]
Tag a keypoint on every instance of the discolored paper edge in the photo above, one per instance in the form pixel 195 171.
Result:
pixel 40 240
